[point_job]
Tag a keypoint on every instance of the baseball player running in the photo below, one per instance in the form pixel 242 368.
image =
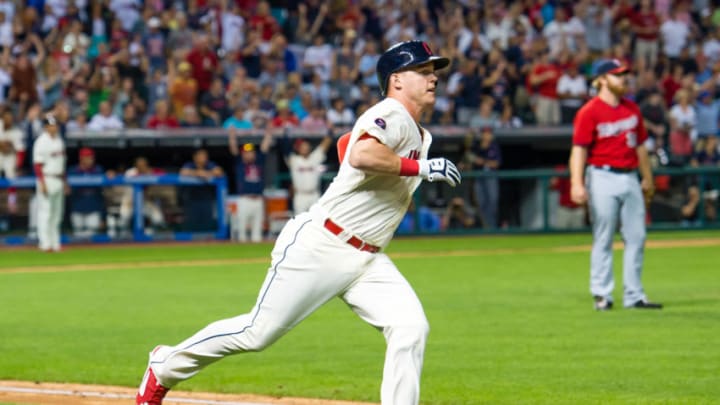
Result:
pixel 609 137
pixel 336 249
pixel 51 184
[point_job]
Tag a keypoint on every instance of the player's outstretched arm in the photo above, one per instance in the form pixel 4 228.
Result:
pixel 369 155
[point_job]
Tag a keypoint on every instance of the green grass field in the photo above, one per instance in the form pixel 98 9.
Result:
pixel 511 318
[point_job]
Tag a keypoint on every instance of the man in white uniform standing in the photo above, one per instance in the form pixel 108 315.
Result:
pixel 336 249
pixel 306 169
pixel 51 184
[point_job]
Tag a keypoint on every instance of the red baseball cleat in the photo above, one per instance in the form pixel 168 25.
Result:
pixel 150 391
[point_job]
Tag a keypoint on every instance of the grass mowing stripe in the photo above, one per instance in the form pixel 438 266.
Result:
pixel 664 244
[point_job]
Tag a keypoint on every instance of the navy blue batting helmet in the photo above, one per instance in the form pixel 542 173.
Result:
pixel 404 55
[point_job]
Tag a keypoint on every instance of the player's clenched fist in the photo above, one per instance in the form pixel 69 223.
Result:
pixel 439 169
pixel 578 194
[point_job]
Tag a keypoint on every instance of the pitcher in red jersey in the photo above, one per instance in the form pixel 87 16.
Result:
pixel 607 153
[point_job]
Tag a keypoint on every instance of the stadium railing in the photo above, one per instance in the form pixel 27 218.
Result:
pixel 138 185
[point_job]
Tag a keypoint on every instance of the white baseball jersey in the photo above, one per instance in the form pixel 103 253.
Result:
pixel 13 135
pixel 374 215
pixel 8 160
pixel 50 152
pixel 306 171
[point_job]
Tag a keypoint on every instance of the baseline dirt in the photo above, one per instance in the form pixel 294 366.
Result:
pixel 23 392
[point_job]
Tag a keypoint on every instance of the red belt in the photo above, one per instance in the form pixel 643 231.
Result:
pixel 354 241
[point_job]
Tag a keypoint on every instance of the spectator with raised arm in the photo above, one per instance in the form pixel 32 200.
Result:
pixel 306 168
pixel 249 165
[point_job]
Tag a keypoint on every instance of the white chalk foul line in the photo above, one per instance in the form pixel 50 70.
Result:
pixel 111 395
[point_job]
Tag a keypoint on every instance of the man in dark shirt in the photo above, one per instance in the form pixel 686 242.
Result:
pixel 87 204
pixel 249 184
pixel 484 155
pixel 214 105
pixel 655 116
pixel 199 201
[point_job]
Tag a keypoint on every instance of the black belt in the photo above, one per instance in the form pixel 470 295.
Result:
pixel 615 169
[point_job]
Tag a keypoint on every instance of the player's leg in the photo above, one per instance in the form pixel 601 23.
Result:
pixel 78 223
pixel 152 211
pixel 93 221
pixel 42 220
pixel 632 217
pixel 257 219
pixel 493 196
pixel 298 281
pixel 33 216
pixel 604 206
pixel 57 205
pixel 383 298
pixel 243 217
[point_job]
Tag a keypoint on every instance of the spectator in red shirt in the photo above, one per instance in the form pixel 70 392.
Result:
pixel 162 119
pixel 204 62
pixel 671 83
pixel 646 25
pixel 284 117
pixel 263 21
pixel 543 80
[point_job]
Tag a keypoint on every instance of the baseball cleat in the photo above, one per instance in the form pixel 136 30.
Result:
pixel 644 304
pixel 150 391
pixel 602 304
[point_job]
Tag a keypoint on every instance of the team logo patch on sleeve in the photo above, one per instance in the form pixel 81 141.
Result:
pixel 380 122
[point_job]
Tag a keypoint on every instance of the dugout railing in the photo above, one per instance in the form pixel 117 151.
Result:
pixel 138 184
pixel 527 203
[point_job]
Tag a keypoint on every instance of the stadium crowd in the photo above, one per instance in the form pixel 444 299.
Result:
pixel 249 64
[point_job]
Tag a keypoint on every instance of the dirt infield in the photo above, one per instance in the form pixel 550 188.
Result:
pixel 23 392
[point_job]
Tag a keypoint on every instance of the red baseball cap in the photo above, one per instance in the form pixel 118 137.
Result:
pixel 297 143
pixel 86 152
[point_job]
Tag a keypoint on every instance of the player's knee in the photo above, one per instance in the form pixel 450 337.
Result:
pixel 257 340
pixel 413 335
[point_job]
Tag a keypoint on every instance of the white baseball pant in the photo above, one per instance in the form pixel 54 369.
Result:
pixel 309 267
pixel 250 211
pixel 614 195
pixel 150 210
pixel 303 200
pixel 50 213
pixel 86 224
